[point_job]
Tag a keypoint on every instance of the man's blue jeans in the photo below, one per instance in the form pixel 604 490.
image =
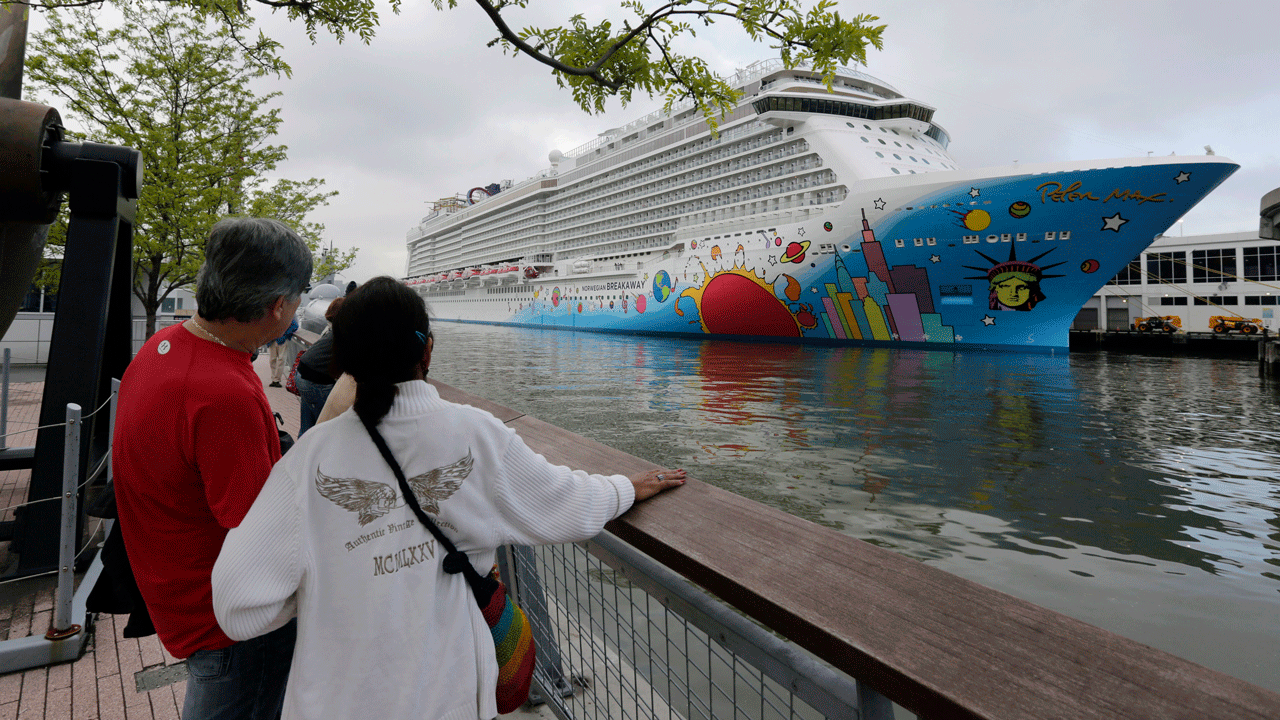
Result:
pixel 243 682
pixel 311 397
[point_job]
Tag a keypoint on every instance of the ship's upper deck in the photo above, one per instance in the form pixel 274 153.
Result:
pixel 635 186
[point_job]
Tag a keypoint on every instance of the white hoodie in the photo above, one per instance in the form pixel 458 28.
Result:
pixel 383 631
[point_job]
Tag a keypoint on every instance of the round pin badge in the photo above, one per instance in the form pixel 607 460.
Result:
pixel 163 349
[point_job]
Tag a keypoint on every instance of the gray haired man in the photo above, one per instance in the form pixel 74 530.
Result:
pixel 195 440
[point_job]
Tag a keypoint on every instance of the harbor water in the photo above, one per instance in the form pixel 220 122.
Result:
pixel 1139 494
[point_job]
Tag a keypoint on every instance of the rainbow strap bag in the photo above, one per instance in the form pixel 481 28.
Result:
pixel 512 636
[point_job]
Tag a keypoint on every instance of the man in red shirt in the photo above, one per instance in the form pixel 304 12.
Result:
pixel 195 440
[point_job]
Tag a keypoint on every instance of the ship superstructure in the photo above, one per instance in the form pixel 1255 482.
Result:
pixel 761 230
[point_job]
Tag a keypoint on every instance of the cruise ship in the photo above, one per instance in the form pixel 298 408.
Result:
pixel 830 216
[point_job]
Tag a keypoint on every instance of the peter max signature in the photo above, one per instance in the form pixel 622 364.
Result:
pixel 1053 191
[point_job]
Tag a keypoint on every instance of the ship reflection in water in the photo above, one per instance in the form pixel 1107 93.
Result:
pixel 1139 494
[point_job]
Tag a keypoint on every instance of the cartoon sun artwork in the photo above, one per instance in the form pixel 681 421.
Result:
pixel 1014 284
pixel 974 220
pixel 738 302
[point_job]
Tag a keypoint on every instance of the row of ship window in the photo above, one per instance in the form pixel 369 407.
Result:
pixel 728 135
pixel 724 201
pixel 708 194
pixel 668 160
pixel 571 199
pixel 851 109
pixel 706 190
pixel 748 162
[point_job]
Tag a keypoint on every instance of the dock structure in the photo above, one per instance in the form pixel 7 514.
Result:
pixel 1199 344
pixel 860 623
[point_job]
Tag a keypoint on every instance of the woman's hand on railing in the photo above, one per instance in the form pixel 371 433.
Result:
pixel 653 482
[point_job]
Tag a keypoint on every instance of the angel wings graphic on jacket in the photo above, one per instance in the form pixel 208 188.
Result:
pixel 371 499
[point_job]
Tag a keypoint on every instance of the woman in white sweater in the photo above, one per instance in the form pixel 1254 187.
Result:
pixel 383 630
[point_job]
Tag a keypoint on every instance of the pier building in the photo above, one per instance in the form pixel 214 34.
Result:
pixel 1195 278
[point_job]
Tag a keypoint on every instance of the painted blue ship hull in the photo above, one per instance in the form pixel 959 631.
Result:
pixel 998 258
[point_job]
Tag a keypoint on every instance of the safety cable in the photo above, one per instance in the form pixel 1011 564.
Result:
pixel 54 572
pixel 63 423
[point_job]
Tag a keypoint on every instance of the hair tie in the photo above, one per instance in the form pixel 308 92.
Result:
pixel 421 338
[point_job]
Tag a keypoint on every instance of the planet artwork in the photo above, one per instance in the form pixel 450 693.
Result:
pixel 555 297
pixel 640 303
pixel 1020 209
pixel 1089 266
pixel 795 252
pixel 661 286
pixel 826 226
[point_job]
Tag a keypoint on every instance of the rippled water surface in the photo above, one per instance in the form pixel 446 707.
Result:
pixel 1139 494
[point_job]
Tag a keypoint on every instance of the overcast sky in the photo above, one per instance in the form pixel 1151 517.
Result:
pixel 427 110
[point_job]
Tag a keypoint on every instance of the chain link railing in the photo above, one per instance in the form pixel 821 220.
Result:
pixel 621 637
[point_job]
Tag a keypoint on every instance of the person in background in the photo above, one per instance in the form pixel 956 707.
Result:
pixel 351 286
pixel 194 443
pixel 316 375
pixel 333 539
pixel 277 353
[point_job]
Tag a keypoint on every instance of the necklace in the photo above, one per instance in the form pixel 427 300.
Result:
pixel 209 334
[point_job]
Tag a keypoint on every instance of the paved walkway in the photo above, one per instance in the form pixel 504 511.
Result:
pixel 104 683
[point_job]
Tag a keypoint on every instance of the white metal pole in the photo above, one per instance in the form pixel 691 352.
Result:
pixel 66 556
pixel 111 443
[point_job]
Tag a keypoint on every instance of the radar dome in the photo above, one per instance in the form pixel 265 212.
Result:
pixel 555 157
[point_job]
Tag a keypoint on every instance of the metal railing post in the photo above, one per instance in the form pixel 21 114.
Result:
pixel 4 401
pixel 62 626
pixel 111 457
pixel 521 571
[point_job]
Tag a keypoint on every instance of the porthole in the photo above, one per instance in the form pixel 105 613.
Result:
pixel 896 156
pixel 896 171
pixel 879 154
pixel 864 139
pixel 882 142
pixel 895 142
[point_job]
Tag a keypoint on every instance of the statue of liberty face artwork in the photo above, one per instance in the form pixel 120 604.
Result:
pixel 1014 284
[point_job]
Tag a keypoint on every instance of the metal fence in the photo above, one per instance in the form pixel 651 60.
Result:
pixel 621 637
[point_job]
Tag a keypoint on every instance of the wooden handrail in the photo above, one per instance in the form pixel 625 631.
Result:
pixel 937 644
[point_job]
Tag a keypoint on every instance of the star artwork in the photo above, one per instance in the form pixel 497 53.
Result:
pixel 880 203
pixel 974 192
pixel 1182 177
pixel 988 320
pixel 959 338
pixel 773 260
pixel 1113 223
pixel 800 232
pixel 935 258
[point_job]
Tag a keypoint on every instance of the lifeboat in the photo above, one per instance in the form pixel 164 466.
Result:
pixel 530 273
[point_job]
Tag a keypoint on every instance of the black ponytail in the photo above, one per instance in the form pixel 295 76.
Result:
pixel 379 336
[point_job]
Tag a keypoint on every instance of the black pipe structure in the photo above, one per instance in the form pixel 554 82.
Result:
pixel 92 330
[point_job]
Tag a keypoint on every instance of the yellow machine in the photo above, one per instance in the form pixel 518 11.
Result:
pixel 1223 324
pixel 1159 323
